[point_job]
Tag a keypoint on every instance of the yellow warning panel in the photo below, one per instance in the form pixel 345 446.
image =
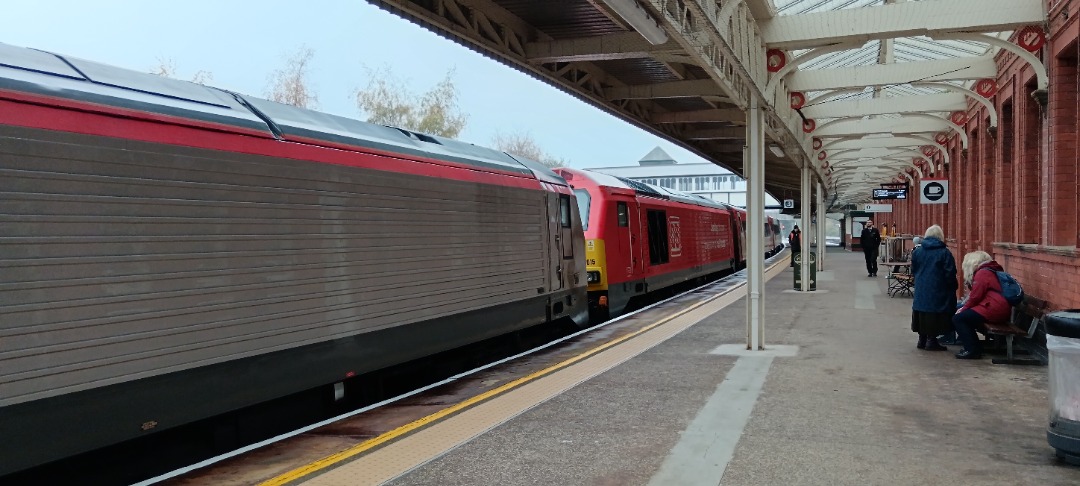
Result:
pixel 596 265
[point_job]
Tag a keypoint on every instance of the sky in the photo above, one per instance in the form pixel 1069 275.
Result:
pixel 242 43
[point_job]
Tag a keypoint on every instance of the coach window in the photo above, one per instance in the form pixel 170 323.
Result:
pixel 564 210
pixel 624 214
pixel 658 237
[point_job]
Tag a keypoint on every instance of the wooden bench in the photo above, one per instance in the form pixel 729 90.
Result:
pixel 1027 314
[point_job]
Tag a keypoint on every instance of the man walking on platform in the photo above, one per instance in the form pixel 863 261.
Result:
pixel 795 242
pixel 870 240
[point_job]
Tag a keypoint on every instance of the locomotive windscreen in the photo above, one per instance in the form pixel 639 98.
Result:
pixel 583 202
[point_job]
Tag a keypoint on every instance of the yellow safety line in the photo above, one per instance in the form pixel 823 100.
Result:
pixel 332 459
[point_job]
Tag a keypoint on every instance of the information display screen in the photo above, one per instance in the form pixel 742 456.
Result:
pixel 890 193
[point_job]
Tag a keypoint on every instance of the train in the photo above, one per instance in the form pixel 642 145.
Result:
pixel 641 238
pixel 174 252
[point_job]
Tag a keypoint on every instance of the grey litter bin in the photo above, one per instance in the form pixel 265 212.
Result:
pixel 1063 344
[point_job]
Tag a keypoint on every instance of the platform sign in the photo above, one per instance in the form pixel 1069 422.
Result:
pixel 877 208
pixel 934 191
pixel 789 204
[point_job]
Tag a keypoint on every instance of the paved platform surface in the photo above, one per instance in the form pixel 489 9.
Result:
pixel 845 399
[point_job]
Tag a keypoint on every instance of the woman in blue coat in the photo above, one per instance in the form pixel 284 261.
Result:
pixel 934 269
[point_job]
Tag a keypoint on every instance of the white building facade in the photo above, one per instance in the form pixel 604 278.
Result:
pixel 709 180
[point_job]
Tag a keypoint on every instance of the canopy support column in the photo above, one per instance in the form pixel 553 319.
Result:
pixel 805 209
pixel 754 164
pixel 822 223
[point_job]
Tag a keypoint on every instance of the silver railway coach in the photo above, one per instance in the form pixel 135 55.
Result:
pixel 171 251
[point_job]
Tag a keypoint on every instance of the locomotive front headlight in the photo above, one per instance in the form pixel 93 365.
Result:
pixel 594 277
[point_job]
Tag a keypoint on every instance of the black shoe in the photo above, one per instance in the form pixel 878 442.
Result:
pixel 968 355
pixel 869 275
pixel 935 347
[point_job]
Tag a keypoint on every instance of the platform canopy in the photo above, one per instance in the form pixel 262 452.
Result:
pixel 833 76
pixel 887 81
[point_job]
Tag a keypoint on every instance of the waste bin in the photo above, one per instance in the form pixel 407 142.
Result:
pixel 1063 345
pixel 813 270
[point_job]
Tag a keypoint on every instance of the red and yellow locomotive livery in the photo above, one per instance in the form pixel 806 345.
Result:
pixel 641 238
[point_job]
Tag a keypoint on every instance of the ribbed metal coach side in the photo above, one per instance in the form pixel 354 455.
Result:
pixel 149 283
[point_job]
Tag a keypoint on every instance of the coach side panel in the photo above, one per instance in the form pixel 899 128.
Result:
pixel 126 259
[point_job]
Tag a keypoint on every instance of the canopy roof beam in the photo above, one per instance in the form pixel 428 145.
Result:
pixel 909 123
pixel 880 166
pixel 732 115
pixel 629 45
pixel 932 103
pixel 670 89
pixel 722 133
pixel 890 74
pixel 906 19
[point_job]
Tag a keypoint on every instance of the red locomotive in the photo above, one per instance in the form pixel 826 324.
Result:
pixel 641 238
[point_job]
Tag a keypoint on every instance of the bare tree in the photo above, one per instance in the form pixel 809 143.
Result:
pixel 290 84
pixel 522 144
pixel 387 101
pixel 167 68
pixel 202 76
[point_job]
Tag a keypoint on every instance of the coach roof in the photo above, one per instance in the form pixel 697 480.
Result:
pixel 300 123
pixel 46 74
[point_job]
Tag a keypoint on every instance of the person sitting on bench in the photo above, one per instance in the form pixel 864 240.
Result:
pixel 984 302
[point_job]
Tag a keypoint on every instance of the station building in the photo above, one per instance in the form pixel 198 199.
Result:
pixel 709 180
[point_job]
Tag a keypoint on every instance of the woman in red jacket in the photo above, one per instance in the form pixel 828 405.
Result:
pixel 983 304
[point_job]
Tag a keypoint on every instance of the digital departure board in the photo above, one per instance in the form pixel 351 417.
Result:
pixel 890 193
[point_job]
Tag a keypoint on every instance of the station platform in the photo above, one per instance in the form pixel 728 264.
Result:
pixel 842 396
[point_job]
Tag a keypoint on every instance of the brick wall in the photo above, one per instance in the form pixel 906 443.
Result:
pixel 1005 211
pixel 1015 192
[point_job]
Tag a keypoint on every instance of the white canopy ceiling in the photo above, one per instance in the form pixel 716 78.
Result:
pixel 881 77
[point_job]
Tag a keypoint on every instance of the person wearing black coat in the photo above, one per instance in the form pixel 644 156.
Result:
pixel 870 241
pixel 934 303
pixel 795 242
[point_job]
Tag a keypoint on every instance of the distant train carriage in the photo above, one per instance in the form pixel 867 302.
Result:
pixel 640 238
pixel 773 243
pixel 172 252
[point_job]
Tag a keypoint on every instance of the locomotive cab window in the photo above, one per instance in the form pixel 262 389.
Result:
pixel 584 200
pixel 564 210
pixel 658 237
pixel 623 213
